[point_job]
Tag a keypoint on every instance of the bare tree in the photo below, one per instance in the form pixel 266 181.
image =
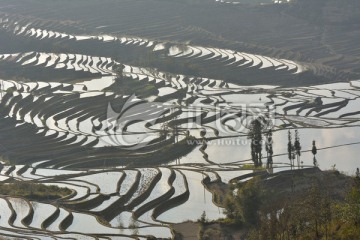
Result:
pixel 297 147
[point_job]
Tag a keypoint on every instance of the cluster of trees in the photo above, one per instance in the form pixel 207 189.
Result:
pixel 243 206
pixel 258 129
pixel 294 149
pixel 312 215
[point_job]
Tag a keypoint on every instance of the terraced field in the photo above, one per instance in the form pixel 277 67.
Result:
pixel 135 157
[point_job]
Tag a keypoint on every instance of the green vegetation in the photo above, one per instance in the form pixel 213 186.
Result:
pixel 251 167
pixel 303 208
pixel 33 190
pixel 348 213
pixel 243 206
pixel 4 160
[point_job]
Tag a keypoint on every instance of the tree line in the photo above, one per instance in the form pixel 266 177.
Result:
pixel 310 213
pixel 257 133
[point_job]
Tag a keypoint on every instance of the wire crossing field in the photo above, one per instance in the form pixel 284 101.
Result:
pixel 124 119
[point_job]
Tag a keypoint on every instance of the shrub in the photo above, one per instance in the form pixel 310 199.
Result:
pixel 33 190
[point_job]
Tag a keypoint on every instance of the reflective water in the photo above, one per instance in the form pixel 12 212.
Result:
pixel 200 200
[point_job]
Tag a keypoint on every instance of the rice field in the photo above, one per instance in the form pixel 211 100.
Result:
pixel 134 160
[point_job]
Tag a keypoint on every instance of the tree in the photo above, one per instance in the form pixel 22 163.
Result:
pixel 314 151
pixel 248 202
pixel 164 130
pixel 297 147
pixel 351 210
pixel 269 149
pixel 255 134
pixel 231 210
pixel 120 84
pixel 307 216
pixel 290 149
pixel 203 218
pixel 318 211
